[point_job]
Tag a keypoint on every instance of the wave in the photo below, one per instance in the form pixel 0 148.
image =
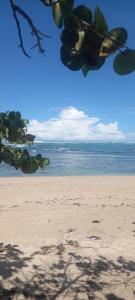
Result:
pixel 39 142
pixel 18 145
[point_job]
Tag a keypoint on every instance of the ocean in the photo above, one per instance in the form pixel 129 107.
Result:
pixel 69 159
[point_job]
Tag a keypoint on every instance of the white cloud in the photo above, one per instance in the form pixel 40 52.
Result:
pixel 74 125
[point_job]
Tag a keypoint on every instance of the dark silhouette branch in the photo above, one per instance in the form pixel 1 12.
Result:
pixel 34 31
pixel 19 29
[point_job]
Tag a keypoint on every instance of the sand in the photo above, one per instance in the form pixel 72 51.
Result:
pixel 67 238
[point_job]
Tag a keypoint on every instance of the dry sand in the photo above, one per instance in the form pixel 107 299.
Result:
pixel 67 238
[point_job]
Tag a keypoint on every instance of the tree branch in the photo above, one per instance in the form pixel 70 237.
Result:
pixel 34 31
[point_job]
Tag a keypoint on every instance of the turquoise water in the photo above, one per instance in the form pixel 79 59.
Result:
pixel 82 159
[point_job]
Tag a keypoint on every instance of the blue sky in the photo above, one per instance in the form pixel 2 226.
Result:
pixel 41 88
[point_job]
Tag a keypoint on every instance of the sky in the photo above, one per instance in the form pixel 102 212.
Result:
pixel 62 104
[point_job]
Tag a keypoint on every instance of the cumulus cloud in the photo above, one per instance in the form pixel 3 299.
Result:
pixel 74 125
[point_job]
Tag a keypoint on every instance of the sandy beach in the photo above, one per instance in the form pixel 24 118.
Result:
pixel 67 238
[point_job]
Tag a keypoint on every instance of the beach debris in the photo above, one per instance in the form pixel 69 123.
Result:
pixel 94 237
pixel 95 221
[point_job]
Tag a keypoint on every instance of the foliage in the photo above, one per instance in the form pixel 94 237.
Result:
pixel 86 39
pixel 13 130
pixel 124 63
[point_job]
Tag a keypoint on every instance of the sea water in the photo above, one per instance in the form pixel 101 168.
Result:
pixel 68 159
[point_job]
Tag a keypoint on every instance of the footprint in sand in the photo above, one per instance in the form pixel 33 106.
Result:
pixel 71 230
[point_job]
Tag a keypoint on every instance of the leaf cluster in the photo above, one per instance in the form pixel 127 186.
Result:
pixel 13 129
pixel 86 39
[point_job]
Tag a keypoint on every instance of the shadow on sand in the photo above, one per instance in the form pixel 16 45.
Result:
pixel 68 275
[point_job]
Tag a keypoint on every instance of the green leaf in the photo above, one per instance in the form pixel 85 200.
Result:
pixel 65 56
pixel 93 60
pixel 42 161
pixel 107 48
pixel 73 62
pixel 29 165
pixel 76 63
pixel 79 43
pixel 119 35
pixel 100 62
pixel 69 39
pixel 83 13
pixel 85 69
pixel 91 50
pixel 57 14
pixel 29 139
pixel 66 7
pixel 92 42
pixel 45 161
pixel 115 40
pixel 46 2
pixel 124 63
pixel 71 24
pixel 100 22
